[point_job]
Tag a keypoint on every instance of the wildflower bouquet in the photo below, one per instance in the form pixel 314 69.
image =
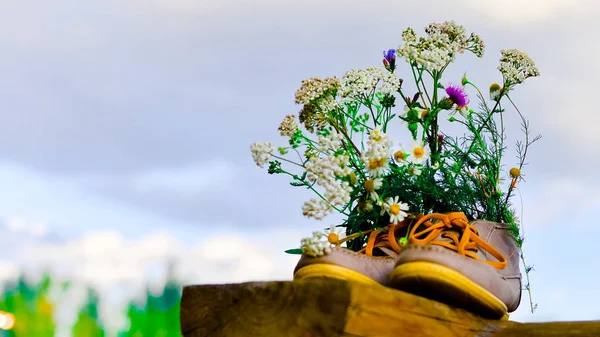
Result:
pixel 345 154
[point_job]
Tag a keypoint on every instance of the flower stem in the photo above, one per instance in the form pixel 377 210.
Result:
pixel 527 270
pixel 286 160
pixel 343 131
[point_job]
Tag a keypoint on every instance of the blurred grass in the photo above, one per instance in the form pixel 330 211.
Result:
pixel 34 312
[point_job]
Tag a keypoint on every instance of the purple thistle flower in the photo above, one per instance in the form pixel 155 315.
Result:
pixel 457 95
pixel 390 55
pixel 389 59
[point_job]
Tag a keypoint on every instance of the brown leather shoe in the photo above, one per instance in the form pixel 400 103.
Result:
pixel 473 266
pixel 372 264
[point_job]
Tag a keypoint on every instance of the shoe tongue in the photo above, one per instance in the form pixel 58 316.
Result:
pixel 453 236
pixel 388 251
pixel 446 234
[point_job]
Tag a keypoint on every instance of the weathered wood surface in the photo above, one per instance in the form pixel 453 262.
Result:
pixel 312 308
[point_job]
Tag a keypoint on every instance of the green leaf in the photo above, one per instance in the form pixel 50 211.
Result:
pixel 295 251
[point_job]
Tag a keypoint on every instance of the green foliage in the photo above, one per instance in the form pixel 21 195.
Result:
pixel 34 312
pixel 31 307
pixel 88 323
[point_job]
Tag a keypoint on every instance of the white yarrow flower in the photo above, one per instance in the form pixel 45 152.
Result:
pixel 316 245
pixel 331 142
pixel 357 83
pixel 516 66
pixel 325 171
pixel 288 126
pixel 261 153
pixel 316 208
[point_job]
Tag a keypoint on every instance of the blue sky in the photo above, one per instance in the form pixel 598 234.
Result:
pixel 127 124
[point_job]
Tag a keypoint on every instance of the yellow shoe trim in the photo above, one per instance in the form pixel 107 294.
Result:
pixel 332 271
pixel 451 279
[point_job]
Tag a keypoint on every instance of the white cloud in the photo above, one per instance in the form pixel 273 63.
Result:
pixel 25 227
pixel 8 270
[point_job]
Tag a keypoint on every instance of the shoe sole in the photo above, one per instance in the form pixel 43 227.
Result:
pixel 332 271
pixel 446 285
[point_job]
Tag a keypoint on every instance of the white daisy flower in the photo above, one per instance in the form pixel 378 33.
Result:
pixel 377 135
pixel 334 236
pixel 379 150
pixel 378 167
pixel 400 156
pixel 419 152
pixel 364 205
pixel 371 187
pixel 395 209
pixel 414 170
pixel 495 91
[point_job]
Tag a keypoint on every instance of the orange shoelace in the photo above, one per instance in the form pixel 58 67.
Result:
pixel 385 239
pixel 468 243
pixel 445 224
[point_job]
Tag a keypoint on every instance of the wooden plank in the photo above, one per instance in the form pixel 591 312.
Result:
pixel 318 307
pixel 264 309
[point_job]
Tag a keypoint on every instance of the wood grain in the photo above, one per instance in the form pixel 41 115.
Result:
pixel 325 307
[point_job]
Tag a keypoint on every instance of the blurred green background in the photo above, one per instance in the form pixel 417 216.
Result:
pixel 35 312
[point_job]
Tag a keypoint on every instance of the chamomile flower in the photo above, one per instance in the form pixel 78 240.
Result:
pixel 419 152
pixel 379 150
pixel 400 156
pixel 495 91
pixel 364 205
pixel 334 236
pixel 371 187
pixel 395 209
pixel 378 167
pixel 414 171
